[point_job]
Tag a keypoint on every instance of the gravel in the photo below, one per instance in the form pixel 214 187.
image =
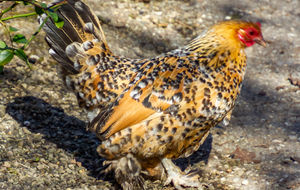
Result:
pixel 43 140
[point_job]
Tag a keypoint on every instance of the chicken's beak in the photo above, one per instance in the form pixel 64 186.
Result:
pixel 260 41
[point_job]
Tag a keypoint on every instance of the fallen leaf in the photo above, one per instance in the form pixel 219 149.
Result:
pixel 261 145
pixel 243 154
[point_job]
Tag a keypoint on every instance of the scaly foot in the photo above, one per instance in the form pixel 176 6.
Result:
pixel 178 177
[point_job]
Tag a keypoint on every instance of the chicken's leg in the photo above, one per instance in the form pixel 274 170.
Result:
pixel 178 177
pixel 127 172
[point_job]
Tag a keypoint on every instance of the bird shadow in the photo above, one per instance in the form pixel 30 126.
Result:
pixel 69 133
pixel 66 132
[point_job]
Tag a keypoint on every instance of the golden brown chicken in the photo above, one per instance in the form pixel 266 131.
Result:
pixel 147 112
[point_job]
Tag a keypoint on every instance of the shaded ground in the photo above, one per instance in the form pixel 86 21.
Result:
pixel 43 142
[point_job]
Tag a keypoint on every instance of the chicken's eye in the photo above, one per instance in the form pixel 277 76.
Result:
pixel 251 32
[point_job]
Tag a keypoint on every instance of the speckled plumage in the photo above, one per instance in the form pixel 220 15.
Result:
pixel 150 111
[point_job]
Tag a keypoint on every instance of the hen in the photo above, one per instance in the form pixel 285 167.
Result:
pixel 148 112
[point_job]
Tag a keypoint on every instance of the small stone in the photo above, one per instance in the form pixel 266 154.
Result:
pixel 245 182
pixel 236 179
pixel 40 166
pixel 50 157
pixel 293 137
pixel 24 85
pixel 256 161
pixel 16 164
pixel 33 58
pixel 61 170
pixel 67 143
pixel 2 111
pixel 71 166
pixel 25 130
pixel 10 154
pixel 276 141
pixel 27 123
pixel 79 164
pixel 137 51
pixel 7 164
pixel 52 166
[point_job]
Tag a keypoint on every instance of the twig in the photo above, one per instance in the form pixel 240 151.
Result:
pixel 221 144
pixel 11 41
pixel 41 25
pixel 12 85
pixel 46 8
pixel 26 166
pixel 184 24
pixel 28 14
pixel 19 16
pixel 8 9
pixel 36 33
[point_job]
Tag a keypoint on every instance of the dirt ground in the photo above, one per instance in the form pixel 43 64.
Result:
pixel 43 141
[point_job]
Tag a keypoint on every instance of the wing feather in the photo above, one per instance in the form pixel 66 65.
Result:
pixel 146 96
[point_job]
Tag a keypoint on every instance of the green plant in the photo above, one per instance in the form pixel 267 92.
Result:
pixel 7 50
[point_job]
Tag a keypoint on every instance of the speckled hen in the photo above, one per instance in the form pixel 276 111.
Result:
pixel 147 112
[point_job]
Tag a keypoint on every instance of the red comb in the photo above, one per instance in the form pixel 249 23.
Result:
pixel 258 23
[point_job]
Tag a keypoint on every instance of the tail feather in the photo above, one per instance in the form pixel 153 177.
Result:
pixel 87 66
pixel 84 15
pixel 80 25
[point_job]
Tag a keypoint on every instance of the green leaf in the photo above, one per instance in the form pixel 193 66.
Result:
pixel 59 23
pixel 43 5
pixel 19 38
pixel 37 159
pixel 13 29
pixel 3 45
pixel 6 56
pixel 1 69
pixel 38 10
pixel 54 16
pixel 21 54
